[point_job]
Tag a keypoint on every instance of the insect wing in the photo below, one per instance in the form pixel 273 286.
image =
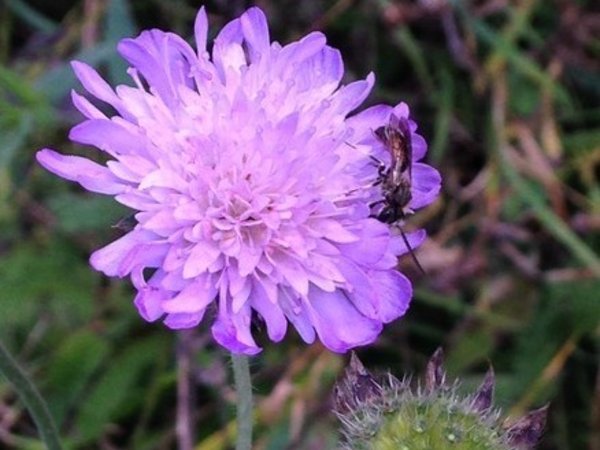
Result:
pixel 401 145
pixel 381 133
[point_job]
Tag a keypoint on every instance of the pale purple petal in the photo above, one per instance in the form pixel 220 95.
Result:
pixel 202 255
pixel 110 259
pixel 271 313
pixel 393 291
pixel 426 185
pixel 85 107
pixel 362 295
pixel 88 174
pixel 149 303
pixel 227 44
pixel 162 59
pixel 333 230
pixel 201 30
pixel 299 52
pixel 364 123
pixel 108 136
pixel 232 331
pixel 414 239
pixel 293 273
pixel 297 314
pixel 372 245
pixel 328 66
pixel 338 323
pixel 401 110
pixel 183 321
pixel 323 69
pixel 194 298
pixel 419 147
pixel 256 31
pixel 351 96
pixel 94 84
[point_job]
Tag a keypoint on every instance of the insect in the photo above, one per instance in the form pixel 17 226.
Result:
pixel 126 223
pixel 396 179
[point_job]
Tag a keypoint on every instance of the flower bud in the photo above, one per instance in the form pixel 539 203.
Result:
pixel 381 412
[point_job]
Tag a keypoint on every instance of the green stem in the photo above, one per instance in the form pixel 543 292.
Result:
pixel 243 387
pixel 31 398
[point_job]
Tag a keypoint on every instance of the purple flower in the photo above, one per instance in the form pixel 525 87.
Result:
pixel 250 183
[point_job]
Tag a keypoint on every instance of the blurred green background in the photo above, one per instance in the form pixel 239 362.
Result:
pixel 508 95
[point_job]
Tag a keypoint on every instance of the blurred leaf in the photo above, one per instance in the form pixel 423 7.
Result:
pixel 578 303
pixel 119 24
pixel 57 82
pixel 12 138
pixel 85 212
pixel 119 390
pixel 31 16
pixel 72 366
pixel 473 346
pixel 278 436
pixel 17 88
pixel 445 106
pixel 582 142
pixel 554 224
pixel 588 79
pixel 515 57
pixel 566 308
pixel 33 278
pixel 525 96
pixel 416 55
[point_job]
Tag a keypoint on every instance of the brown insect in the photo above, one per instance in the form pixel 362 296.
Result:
pixel 396 179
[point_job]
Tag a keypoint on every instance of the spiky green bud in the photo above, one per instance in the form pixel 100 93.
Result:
pixel 384 413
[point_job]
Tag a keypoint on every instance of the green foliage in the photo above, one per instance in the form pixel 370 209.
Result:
pixel 78 213
pixel 75 361
pixel 33 279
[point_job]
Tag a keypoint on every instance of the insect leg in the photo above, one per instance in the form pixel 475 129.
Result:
pixel 411 251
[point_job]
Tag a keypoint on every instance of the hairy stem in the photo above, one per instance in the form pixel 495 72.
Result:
pixel 184 428
pixel 243 387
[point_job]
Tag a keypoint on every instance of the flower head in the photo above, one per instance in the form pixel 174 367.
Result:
pixel 384 413
pixel 251 186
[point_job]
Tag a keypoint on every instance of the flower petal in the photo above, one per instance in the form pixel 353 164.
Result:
pixel 393 292
pixel 148 302
pixel 95 85
pixel 419 147
pixel 271 313
pixel 350 96
pixel 88 174
pixel 427 183
pixel 364 123
pixel 232 331
pixel 114 260
pixel 332 230
pixel 372 244
pixel 163 59
pixel 297 314
pixel 415 239
pixel 194 298
pixel 201 30
pixel 85 107
pixel 183 321
pixel 338 323
pixel 256 32
pixel 360 289
pixel 292 55
pixel 109 137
